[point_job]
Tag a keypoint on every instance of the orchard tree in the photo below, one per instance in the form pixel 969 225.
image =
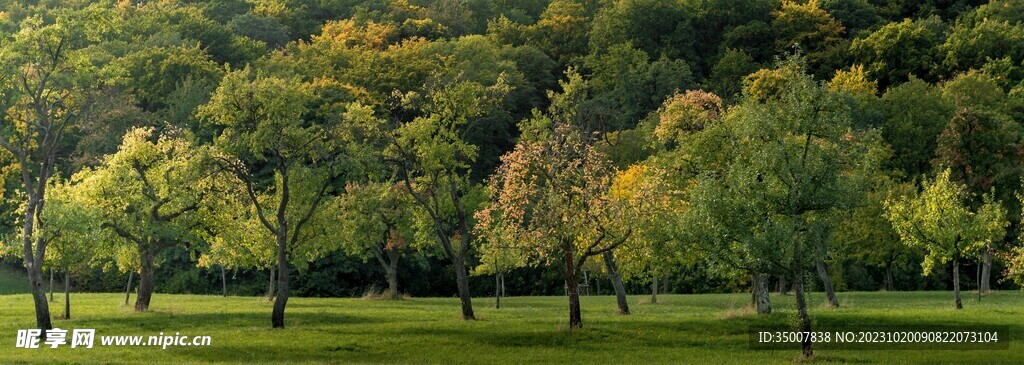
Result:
pixel 553 199
pixel 147 196
pixel 939 220
pixel 772 174
pixel 46 91
pixel 289 143
pixel 376 221
pixel 71 234
pixel 433 162
pixel 981 145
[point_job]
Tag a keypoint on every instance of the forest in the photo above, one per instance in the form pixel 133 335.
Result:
pixel 474 148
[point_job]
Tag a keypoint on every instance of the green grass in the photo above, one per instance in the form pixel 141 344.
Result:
pixel 12 282
pixel 708 329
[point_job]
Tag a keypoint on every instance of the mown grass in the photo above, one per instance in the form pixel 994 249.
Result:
pixel 710 329
pixel 12 282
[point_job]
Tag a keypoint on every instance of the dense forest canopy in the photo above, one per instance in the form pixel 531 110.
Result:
pixel 345 146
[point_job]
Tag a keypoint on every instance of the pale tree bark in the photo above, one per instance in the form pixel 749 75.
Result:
pixel 826 282
pixel 390 265
pixel 223 281
pixel 986 272
pixel 270 285
pixel 51 285
pixel 128 288
pixel 762 301
pixel 613 274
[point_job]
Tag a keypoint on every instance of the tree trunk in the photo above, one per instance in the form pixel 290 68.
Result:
pixel 128 288
pixel 33 265
pixel 223 281
pixel 67 294
pixel 502 275
pixel 956 282
pixel 462 281
pixel 782 284
pixel 762 301
pixel 654 289
pixel 497 291
pixel 801 307
pixel 277 317
pixel 826 281
pixel 270 285
pixel 664 284
pixel 51 286
pixel 572 287
pixel 613 273
pixel 986 272
pixel 145 280
pixel 392 271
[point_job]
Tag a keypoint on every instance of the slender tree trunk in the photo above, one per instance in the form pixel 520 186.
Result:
pixel 986 272
pixel 801 301
pixel 145 280
pixel 51 286
pixel 277 317
pixel 67 294
pixel 223 281
pixel 664 284
pixel 762 301
pixel 826 281
pixel 654 289
pixel 497 291
pixel 502 275
pixel 462 282
pixel 128 288
pixel 782 284
pixel 33 265
pixel 270 285
pixel 956 282
pixel 801 306
pixel 572 288
pixel 613 273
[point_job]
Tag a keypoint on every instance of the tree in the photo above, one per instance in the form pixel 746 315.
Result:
pixel 376 221
pixel 897 52
pixel 147 195
pixel 288 143
pixel 433 161
pixel 939 220
pixel 72 235
pixel 46 93
pixel 981 145
pixel 553 198
pixel 915 115
pixel 772 174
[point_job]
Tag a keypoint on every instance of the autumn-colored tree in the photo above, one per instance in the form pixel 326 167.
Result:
pixel 553 198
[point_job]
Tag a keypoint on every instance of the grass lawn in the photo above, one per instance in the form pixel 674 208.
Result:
pixel 709 329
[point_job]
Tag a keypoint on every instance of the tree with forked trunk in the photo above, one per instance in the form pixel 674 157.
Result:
pixel 290 143
pixel 432 161
pixel 559 197
pixel 376 222
pixel 46 92
pixel 147 197
pixel 939 220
